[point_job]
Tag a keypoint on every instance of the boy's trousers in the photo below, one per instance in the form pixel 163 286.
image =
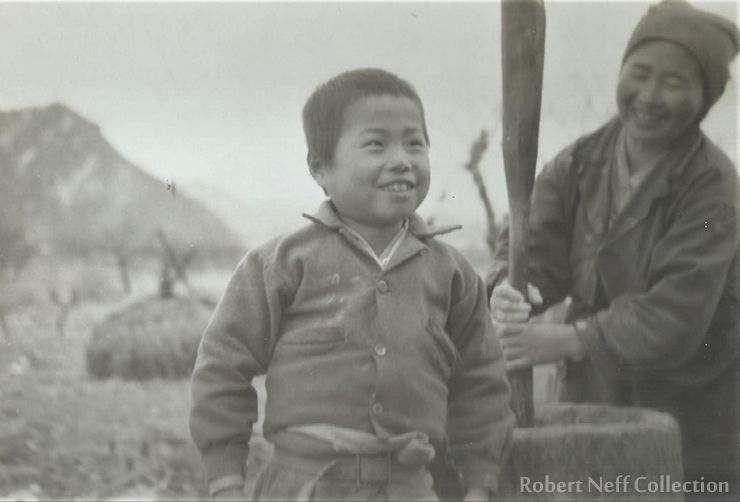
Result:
pixel 378 477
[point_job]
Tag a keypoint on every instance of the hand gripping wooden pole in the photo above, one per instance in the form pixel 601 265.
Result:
pixel 523 50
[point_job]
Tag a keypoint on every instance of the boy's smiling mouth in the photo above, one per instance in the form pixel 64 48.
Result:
pixel 398 186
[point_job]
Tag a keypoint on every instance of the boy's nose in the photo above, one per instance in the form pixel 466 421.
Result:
pixel 401 164
pixel 400 160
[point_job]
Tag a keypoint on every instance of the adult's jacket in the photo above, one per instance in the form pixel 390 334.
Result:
pixel 657 291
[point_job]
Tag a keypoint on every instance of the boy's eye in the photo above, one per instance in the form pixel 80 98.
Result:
pixel 373 143
pixel 417 143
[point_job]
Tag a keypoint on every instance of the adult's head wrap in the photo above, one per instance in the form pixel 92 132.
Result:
pixel 711 39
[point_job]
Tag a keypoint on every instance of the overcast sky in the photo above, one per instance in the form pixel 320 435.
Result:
pixel 210 95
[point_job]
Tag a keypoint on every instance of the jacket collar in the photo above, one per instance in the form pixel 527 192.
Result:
pixel 597 148
pixel 327 216
pixel 415 243
pixel 594 156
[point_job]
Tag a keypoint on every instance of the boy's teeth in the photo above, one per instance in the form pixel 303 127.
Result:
pixel 397 187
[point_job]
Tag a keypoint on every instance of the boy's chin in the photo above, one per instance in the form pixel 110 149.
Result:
pixel 399 217
pixel 393 222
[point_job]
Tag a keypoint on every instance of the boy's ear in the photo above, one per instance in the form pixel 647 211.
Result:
pixel 318 170
pixel 316 167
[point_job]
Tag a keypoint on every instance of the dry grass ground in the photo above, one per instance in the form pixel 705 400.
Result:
pixel 65 435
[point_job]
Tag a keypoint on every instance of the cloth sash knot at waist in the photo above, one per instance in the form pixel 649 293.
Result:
pixel 353 454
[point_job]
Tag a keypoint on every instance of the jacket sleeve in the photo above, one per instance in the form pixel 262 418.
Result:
pixel 666 325
pixel 480 422
pixel 236 346
pixel 549 232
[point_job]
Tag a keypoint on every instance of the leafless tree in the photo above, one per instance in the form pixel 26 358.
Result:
pixel 64 308
pixel 473 166
pixel 174 267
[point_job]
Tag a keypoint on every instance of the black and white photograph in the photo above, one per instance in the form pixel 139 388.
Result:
pixel 372 251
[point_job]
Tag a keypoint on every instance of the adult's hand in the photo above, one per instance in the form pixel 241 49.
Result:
pixel 509 306
pixel 530 344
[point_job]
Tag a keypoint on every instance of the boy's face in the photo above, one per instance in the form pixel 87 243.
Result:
pixel 380 171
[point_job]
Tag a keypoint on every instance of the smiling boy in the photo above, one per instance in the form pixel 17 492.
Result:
pixel 374 336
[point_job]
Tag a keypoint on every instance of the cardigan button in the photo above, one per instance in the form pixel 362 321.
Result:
pixel 383 286
pixel 380 349
pixel 377 408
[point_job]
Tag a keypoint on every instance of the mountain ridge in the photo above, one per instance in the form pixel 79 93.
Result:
pixel 72 189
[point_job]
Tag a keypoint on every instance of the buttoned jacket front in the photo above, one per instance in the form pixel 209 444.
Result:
pixel 346 343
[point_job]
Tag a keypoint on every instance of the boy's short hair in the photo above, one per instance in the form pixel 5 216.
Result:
pixel 323 113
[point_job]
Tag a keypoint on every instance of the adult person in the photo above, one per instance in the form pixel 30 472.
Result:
pixel 637 223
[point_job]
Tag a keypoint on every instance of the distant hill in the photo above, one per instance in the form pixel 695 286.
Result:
pixel 72 190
